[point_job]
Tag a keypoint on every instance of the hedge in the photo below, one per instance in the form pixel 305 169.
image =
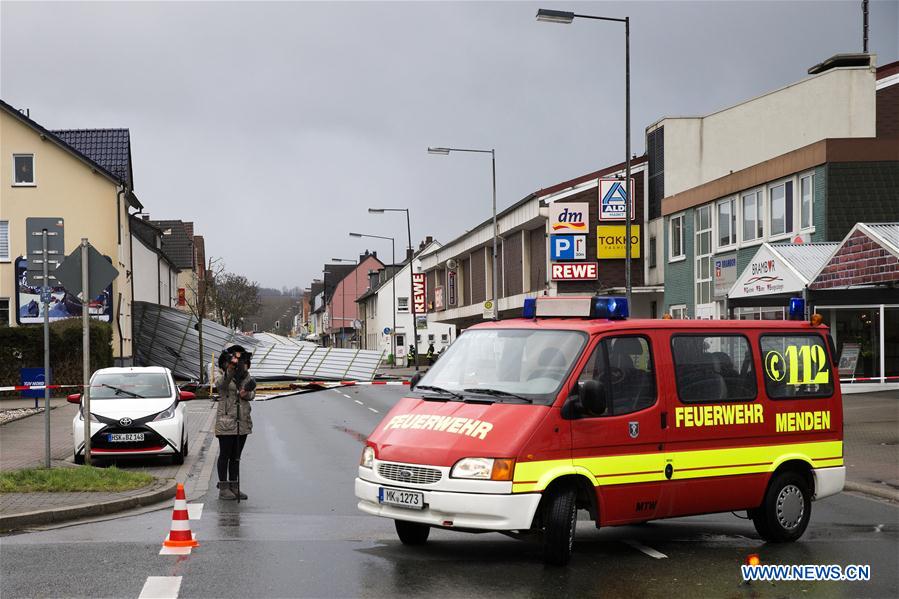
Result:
pixel 23 347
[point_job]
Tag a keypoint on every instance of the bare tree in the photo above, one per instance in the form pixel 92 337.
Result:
pixel 235 298
pixel 199 300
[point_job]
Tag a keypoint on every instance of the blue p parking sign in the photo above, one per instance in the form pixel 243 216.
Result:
pixel 568 247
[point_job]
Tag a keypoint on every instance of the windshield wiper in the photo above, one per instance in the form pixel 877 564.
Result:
pixel 439 390
pixel 499 393
pixel 120 390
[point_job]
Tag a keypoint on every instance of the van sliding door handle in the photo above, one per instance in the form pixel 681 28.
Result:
pixel 664 420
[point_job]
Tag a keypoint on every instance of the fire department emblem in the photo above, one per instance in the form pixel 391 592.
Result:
pixel 633 429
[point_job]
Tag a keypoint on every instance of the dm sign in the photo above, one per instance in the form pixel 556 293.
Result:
pixel 611 241
pixel 613 199
pixel 569 218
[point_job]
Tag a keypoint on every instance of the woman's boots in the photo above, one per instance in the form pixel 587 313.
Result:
pixel 229 490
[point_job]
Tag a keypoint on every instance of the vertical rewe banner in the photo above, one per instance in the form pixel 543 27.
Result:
pixel 420 292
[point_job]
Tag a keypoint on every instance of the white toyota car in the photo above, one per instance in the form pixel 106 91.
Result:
pixel 135 411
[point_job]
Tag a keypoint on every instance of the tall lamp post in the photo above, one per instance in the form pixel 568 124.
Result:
pixel 393 287
pixel 564 17
pixel 492 152
pixel 356 291
pixel 411 274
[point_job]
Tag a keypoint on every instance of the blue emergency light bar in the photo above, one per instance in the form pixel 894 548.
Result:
pixel 797 308
pixel 613 308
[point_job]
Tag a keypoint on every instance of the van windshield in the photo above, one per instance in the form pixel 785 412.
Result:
pixel 511 365
pixel 124 385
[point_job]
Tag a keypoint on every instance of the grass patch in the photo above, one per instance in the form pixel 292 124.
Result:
pixel 63 480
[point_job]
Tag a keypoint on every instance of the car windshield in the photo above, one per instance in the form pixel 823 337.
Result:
pixel 500 365
pixel 124 385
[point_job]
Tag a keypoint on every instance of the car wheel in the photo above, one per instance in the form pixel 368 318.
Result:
pixel 178 458
pixel 412 533
pixel 79 459
pixel 559 524
pixel 786 509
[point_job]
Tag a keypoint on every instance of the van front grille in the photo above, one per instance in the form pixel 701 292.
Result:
pixel 409 474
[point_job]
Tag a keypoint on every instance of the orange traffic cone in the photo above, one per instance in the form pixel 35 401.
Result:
pixel 180 535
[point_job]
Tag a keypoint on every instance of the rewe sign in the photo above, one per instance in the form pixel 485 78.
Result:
pixel 420 292
pixel 575 271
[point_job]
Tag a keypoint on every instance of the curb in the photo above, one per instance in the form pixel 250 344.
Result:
pixel 875 490
pixel 158 491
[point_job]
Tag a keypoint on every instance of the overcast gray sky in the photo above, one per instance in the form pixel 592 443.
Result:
pixel 275 126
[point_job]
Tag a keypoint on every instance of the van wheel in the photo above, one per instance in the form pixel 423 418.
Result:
pixel 786 509
pixel 559 524
pixel 412 533
pixel 79 459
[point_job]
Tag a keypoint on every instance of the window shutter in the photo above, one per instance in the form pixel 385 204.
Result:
pixel 4 240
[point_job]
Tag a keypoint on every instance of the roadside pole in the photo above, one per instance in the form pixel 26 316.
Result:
pixel 45 299
pixel 86 349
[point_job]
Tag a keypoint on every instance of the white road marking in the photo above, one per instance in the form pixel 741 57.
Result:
pixel 347 396
pixel 373 410
pixel 161 587
pixel 194 511
pixel 647 550
pixel 359 402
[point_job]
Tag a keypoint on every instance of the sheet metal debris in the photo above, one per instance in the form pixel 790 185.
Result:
pixel 168 337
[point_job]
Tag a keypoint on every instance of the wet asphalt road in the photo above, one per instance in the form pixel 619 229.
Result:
pixel 300 535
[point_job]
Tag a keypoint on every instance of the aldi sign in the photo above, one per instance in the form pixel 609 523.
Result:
pixel 576 271
pixel 567 247
pixel 569 218
pixel 613 199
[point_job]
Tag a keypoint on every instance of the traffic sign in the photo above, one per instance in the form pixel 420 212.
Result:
pixel 100 270
pixel 386 330
pixel 34 248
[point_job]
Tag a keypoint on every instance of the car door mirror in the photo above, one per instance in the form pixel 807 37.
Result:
pixel 414 380
pixel 592 397
pixel 74 398
pixel 186 395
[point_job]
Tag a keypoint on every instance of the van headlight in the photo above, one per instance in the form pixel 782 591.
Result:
pixel 483 469
pixel 368 457
pixel 167 414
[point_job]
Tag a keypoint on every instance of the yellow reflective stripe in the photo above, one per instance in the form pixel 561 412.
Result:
pixel 649 467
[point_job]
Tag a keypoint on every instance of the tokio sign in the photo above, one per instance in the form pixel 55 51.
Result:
pixel 613 199
pixel 451 288
pixel 569 218
pixel 567 247
pixel 574 271
pixel 611 241
pixel 420 292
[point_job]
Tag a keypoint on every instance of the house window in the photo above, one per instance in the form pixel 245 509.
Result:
pixel 4 241
pixel 703 250
pixel 806 185
pixel 23 169
pixel 780 208
pixel 444 338
pixel 678 312
pixel 727 223
pixel 402 304
pixel 4 311
pixel 652 252
pixel 676 237
pixel 753 223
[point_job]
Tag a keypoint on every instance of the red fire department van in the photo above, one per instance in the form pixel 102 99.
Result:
pixel 523 422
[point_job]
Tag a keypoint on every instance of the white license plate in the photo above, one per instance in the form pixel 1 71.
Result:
pixel 407 499
pixel 125 437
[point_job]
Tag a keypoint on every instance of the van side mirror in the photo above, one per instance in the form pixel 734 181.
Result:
pixel 414 380
pixel 186 395
pixel 593 397
pixel 74 398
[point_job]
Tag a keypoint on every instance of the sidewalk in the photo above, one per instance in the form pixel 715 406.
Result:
pixel 871 441
pixel 22 446
pixel 403 372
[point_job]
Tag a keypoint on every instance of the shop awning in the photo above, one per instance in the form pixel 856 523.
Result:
pixel 781 269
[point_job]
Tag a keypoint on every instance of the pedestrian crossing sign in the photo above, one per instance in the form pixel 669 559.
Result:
pixel 613 199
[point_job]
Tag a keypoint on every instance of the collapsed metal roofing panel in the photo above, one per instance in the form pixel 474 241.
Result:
pixel 168 337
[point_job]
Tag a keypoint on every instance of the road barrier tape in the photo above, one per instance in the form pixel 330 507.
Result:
pixel 868 379
pixel 326 384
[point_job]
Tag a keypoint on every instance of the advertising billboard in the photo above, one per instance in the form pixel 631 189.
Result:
pixel 30 309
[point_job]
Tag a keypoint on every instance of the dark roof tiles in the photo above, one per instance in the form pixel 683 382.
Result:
pixel 176 242
pixel 110 148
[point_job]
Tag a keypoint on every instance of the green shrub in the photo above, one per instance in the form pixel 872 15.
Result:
pixel 23 347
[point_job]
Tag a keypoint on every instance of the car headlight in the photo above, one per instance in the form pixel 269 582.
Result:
pixel 368 457
pixel 167 413
pixel 483 469
pixel 81 415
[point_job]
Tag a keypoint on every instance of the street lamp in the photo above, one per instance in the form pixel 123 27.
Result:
pixel 411 274
pixel 392 284
pixel 564 17
pixel 356 281
pixel 444 152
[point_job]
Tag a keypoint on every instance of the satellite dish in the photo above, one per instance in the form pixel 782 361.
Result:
pixel 452 264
